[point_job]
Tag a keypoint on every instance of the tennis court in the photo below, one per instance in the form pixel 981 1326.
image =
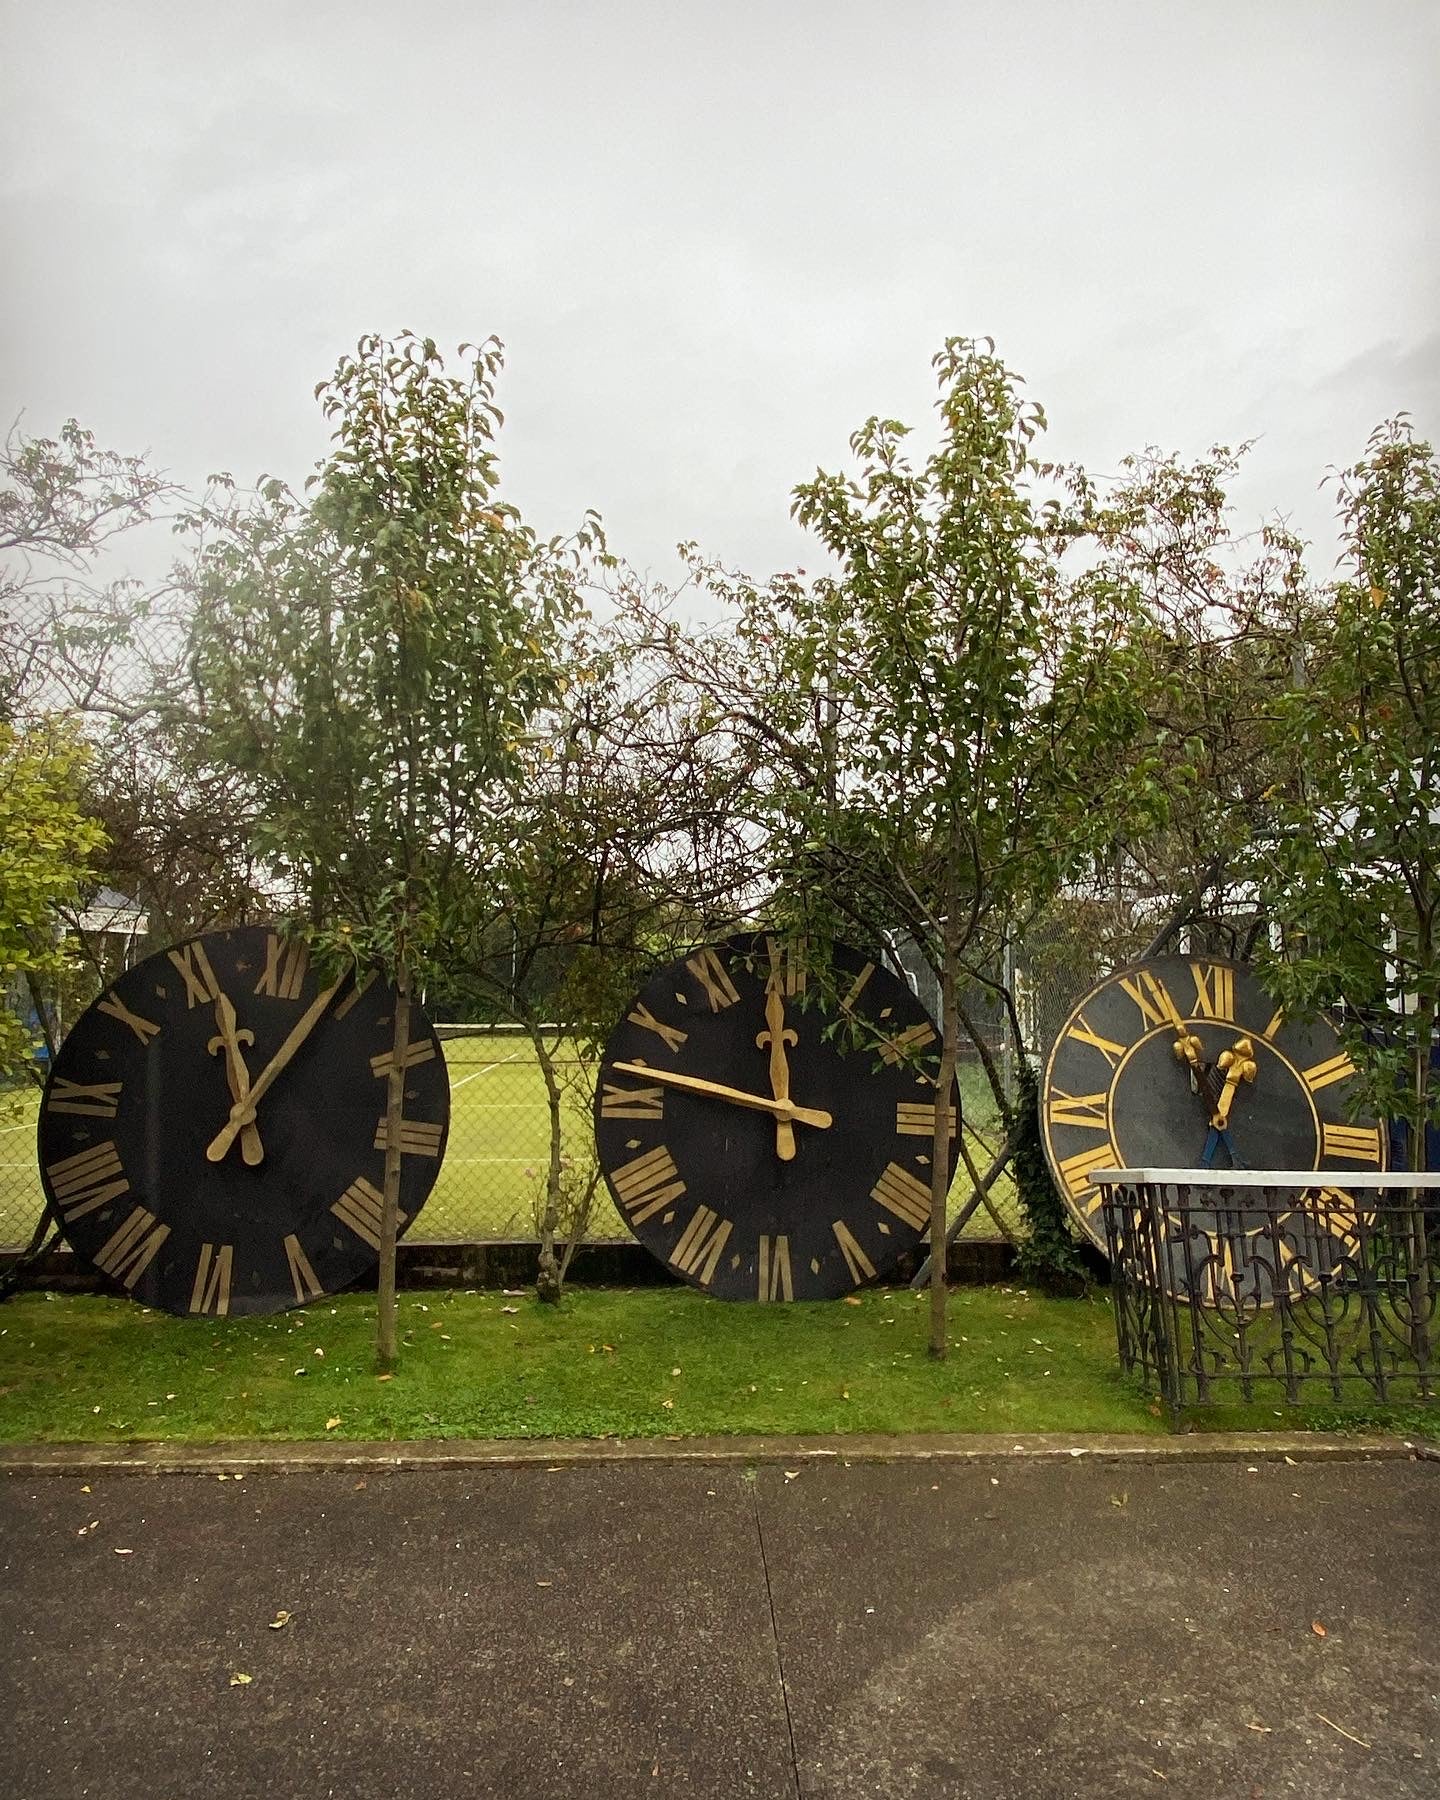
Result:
pixel 498 1150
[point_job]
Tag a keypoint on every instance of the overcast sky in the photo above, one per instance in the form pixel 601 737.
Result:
pixel 714 238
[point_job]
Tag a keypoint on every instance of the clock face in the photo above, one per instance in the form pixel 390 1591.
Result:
pixel 1148 1062
pixel 766 1144
pixel 187 1208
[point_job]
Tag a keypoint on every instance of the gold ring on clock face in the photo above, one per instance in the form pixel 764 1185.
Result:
pixel 212 1134
pixel 1143 1066
pixel 766 1126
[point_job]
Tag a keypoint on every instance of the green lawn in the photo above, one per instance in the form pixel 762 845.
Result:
pixel 499 1130
pixel 642 1363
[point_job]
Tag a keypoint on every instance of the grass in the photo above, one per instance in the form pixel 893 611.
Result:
pixel 499 1129
pixel 642 1363
pixel 606 1363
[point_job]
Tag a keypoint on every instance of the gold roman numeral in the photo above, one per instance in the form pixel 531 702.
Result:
pixel 647 1184
pixel 1088 1110
pixel 643 1017
pixel 302 1276
pixel 787 965
pixel 713 976
pixel 631 1103
pixel 1082 1034
pixel 1276 1021
pixel 363 984
pixel 899 1192
pixel 856 1261
pixel 1075 1172
pixel 1214 992
pixel 916 1118
pixel 144 1029
pixel 1152 997
pixel 211 1292
pixel 360 1207
pixel 201 986
pixel 285 968
pixel 894 1050
pixel 775 1283
pixel 86 1181
pixel 416 1137
pixel 421 1050
pixel 698 1251
pixel 857 987
pixel 130 1250
pixel 1358 1143
pixel 100 1101
pixel 1326 1074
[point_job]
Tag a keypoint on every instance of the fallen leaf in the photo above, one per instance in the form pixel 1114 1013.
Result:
pixel 358 1486
pixel 319 1352
pixel 791 1474
pixel 1120 1499
pixel 853 1300
pixel 1292 1462
pixel 124 1552
pixel 239 1679
pixel 384 1377
pixel 844 1393
pixel 1318 1628
pixel 1264 1728
pixel 281 1620
pixel 330 1424
pixel 668 1405
pixel 509 1309
pixel 85 1490
pixel 544 1584
pixel 674 1371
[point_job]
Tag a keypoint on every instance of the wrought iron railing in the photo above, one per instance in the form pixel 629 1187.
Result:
pixel 1244 1285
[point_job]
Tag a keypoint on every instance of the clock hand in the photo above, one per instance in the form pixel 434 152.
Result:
pixel 777 1036
pixel 242 1112
pixel 695 1084
pixel 1239 1065
pixel 229 1040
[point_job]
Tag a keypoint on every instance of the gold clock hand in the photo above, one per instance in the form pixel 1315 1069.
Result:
pixel 243 1111
pixel 1239 1065
pixel 695 1084
pixel 229 1040
pixel 777 1036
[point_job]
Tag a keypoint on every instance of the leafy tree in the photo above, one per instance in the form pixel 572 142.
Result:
pixel 934 730
pixel 371 657
pixel 1353 860
pixel 48 844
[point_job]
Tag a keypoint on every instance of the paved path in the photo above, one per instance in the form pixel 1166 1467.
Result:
pixel 1027 1629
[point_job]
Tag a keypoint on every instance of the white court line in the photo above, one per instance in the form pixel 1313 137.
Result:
pixel 489 1069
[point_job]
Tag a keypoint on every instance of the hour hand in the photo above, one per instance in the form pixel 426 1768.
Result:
pixel 229 1040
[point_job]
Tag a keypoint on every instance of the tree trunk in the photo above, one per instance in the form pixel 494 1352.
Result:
pixel 390 1207
pixel 551 1276
pixel 940 1152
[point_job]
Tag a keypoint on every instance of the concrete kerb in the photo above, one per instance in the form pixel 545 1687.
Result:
pixel 240 1457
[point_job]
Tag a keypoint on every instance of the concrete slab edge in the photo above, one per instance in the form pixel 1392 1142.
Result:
pixel 243 1457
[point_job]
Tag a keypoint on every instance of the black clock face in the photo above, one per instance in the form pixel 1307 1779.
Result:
pixel 1149 1061
pixel 187 1208
pixel 713 1171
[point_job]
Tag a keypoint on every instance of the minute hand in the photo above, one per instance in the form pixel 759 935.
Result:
pixel 694 1084
pixel 242 1112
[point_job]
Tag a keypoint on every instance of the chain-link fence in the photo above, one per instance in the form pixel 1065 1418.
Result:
pixel 492 1176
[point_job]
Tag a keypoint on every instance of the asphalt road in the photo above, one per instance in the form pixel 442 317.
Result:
pixel 1027 1629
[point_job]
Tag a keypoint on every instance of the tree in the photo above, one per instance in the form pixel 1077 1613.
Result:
pixel 370 658
pixel 48 844
pixel 1352 859
pixel 62 501
pixel 934 729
